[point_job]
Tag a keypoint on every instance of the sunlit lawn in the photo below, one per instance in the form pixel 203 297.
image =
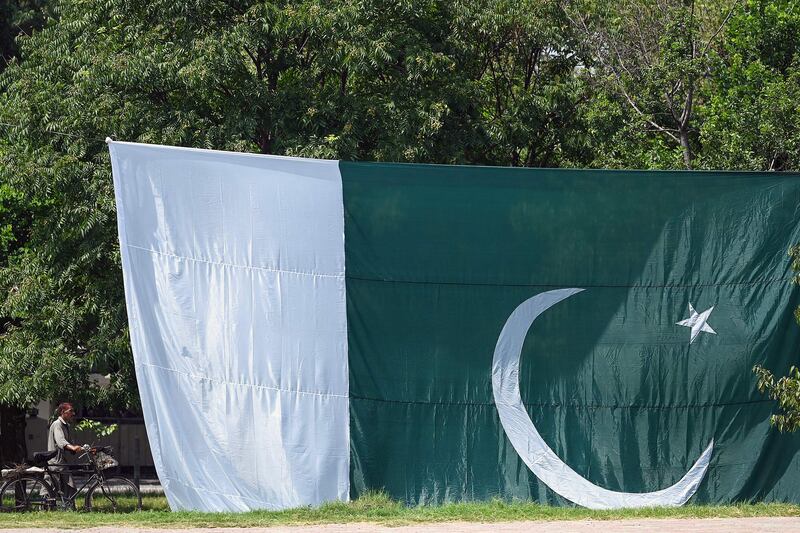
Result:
pixel 375 508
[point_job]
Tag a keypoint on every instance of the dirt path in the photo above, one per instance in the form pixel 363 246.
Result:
pixel 711 525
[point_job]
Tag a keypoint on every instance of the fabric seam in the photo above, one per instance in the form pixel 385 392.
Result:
pixel 239 384
pixel 233 265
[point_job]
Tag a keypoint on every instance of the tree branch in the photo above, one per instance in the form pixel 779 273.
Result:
pixel 722 25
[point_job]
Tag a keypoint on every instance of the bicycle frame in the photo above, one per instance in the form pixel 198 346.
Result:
pixel 51 494
pixel 56 471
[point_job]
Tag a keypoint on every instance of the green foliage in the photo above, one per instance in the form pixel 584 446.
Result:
pixel 516 62
pixel 18 17
pixel 786 390
pixel 751 121
pixel 653 58
pixel 9 223
pixel 99 429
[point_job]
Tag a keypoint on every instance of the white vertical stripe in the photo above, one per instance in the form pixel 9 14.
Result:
pixel 234 283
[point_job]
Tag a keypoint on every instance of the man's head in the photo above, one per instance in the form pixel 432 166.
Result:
pixel 66 411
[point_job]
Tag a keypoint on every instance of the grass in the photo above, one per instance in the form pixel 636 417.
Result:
pixel 376 508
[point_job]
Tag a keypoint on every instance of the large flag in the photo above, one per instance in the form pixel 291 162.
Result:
pixel 307 330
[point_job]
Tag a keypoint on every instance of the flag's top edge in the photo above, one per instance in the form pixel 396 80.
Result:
pixel 762 173
pixel 112 142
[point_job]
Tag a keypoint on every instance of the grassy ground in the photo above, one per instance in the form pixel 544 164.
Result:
pixel 374 508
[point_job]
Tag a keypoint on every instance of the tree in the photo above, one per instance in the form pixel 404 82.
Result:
pixel 655 57
pixel 16 17
pixel 518 60
pixel 15 220
pixel 751 120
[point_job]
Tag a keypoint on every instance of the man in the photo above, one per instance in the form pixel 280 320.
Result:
pixel 58 439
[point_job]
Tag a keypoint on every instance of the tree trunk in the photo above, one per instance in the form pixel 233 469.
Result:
pixel 13 448
pixel 687 150
pixel 265 142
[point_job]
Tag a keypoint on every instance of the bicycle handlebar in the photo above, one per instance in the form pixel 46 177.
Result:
pixel 92 450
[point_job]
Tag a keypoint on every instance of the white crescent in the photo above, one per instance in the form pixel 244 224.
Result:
pixel 533 450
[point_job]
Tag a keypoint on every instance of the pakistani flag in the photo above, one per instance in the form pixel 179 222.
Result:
pixel 309 330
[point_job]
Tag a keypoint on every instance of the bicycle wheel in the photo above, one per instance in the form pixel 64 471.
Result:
pixel 113 494
pixel 26 493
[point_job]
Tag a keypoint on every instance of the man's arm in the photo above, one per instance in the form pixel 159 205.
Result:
pixel 61 440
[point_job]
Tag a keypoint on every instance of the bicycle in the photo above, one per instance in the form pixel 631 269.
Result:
pixel 28 488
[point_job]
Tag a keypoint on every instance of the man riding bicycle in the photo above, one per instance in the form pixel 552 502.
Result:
pixel 58 440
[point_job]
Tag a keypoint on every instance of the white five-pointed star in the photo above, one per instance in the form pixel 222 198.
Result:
pixel 698 322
